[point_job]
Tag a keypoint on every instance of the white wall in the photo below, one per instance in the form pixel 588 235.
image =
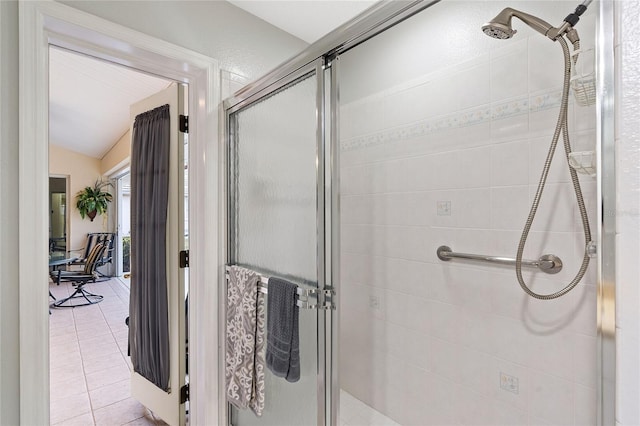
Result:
pixel 9 326
pixel 466 120
pixel 627 53
pixel 242 43
pixel 239 41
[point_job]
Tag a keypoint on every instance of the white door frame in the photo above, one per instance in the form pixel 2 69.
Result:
pixel 47 22
pixel 119 263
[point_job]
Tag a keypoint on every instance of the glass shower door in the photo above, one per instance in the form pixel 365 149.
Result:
pixel 276 227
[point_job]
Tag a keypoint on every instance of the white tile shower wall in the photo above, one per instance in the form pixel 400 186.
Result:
pixel 627 54
pixel 427 342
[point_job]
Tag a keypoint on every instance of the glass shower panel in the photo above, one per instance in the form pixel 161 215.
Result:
pixel 276 227
pixel 443 135
pixel 276 182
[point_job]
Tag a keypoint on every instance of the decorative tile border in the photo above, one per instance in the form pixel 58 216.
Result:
pixel 471 117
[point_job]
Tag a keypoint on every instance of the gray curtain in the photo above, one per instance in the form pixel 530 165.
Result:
pixel 148 304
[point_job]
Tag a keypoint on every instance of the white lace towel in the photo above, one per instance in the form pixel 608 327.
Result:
pixel 245 340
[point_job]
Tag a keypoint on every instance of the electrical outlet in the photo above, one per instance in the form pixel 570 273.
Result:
pixel 509 383
pixel 443 208
pixel 374 302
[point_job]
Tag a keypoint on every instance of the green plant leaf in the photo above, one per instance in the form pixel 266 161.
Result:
pixel 94 198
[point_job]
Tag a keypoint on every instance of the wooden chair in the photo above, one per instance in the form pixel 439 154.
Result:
pixel 80 278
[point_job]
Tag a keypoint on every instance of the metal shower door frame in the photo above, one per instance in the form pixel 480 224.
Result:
pixel 385 15
pixel 326 411
pixel 606 230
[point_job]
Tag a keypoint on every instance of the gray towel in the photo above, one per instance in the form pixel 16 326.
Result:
pixel 245 341
pixel 283 348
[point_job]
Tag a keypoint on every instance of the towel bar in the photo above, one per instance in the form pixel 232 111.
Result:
pixel 549 263
pixel 303 293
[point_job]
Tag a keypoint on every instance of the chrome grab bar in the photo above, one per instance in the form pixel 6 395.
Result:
pixel 549 263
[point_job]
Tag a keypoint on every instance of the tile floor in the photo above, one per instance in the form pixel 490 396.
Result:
pixel 90 368
pixel 354 412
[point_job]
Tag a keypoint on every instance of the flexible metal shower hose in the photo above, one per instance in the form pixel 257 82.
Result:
pixel 561 127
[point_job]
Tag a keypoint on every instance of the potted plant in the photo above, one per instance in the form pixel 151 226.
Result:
pixel 93 200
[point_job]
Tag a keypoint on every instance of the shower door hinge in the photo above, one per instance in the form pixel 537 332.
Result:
pixel 184 258
pixel 184 393
pixel 325 301
pixel 184 123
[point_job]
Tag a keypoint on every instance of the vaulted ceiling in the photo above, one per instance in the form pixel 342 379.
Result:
pixel 89 99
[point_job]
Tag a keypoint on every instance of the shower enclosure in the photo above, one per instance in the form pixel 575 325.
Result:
pixel 403 131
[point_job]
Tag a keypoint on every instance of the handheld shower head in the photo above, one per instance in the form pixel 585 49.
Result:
pixel 500 26
pixel 497 30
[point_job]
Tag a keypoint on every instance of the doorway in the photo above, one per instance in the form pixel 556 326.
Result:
pixel 53 23
pixel 58 218
pixel 89 342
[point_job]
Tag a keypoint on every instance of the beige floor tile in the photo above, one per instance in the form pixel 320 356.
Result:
pixel 142 421
pixel 58 293
pixel 147 420
pixel 67 364
pixel 63 339
pixel 69 329
pixel 116 319
pixel 63 323
pixel 92 333
pixel 83 420
pixel 56 321
pixel 119 413
pixel 60 371
pixel 88 351
pixel 66 388
pixel 97 351
pixel 118 326
pixel 88 311
pixel 107 376
pixel 129 364
pixel 60 376
pixel 90 321
pixel 121 335
pixel 118 329
pixel 68 408
pixel 63 349
pixel 123 344
pixel 113 303
pixel 68 358
pixel 123 347
pixel 110 394
pixel 96 341
pixel 93 365
pixel 60 357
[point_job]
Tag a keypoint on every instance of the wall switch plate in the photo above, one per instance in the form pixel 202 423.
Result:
pixel 509 383
pixel 443 208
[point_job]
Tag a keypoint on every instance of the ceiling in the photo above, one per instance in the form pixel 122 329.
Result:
pixel 89 101
pixel 306 19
